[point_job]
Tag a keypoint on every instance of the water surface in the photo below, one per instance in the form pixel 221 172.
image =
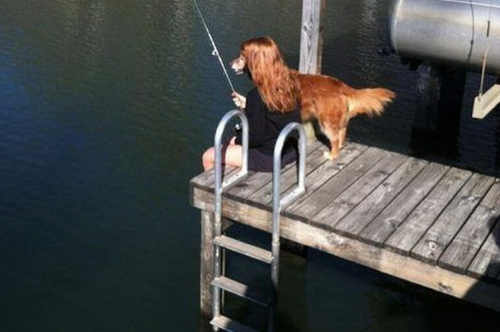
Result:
pixel 105 109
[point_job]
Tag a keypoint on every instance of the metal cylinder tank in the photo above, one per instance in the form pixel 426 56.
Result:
pixel 450 32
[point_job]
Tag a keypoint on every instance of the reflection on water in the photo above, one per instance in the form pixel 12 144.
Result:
pixel 106 107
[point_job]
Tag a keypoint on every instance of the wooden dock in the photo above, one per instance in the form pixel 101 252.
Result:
pixel 421 221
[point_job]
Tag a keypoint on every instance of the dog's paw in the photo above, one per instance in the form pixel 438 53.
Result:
pixel 328 155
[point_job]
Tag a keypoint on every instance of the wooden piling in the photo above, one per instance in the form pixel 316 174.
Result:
pixel 206 263
pixel 311 39
pixel 437 119
pixel 311 43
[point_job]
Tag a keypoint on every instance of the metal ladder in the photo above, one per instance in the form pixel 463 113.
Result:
pixel 220 241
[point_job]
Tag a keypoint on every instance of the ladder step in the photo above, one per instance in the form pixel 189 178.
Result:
pixel 244 248
pixel 242 290
pixel 487 102
pixel 227 324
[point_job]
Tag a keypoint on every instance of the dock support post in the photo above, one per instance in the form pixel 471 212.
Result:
pixel 450 107
pixel 423 133
pixel 311 43
pixel 206 263
pixel 437 119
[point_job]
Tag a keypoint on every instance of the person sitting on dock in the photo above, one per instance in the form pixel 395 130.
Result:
pixel 269 108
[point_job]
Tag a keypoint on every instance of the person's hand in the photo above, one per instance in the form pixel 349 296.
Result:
pixel 239 100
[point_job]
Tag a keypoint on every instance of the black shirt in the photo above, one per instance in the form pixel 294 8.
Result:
pixel 265 125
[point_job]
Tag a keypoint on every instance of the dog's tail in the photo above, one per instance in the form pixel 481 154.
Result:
pixel 369 101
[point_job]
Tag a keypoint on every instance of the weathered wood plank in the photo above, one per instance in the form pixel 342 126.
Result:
pixel 247 185
pixel 466 244
pixel 441 233
pixel 255 181
pixel 328 169
pixel 250 184
pixel 486 264
pixel 206 262
pixel 353 195
pixel 365 212
pixel 380 259
pixel 207 179
pixel 203 178
pixel 396 212
pixel 411 231
pixel 330 186
pixel 314 159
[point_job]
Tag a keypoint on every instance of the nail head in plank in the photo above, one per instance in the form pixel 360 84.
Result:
pixel 411 231
pixel 398 210
pixel 442 232
pixel 328 187
pixel 352 224
pixel 459 254
pixel 353 195
pixel 486 264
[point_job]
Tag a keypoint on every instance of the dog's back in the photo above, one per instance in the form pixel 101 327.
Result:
pixel 332 103
pixel 319 91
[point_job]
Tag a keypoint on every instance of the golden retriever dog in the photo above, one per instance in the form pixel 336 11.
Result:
pixel 323 98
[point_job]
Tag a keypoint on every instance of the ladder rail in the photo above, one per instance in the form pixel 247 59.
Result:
pixel 220 282
pixel 219 186
pixel 278 202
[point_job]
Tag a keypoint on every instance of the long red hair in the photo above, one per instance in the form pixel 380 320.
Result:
pixel 272 77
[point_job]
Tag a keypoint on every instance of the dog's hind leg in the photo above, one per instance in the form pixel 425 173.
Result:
pixel 342 135
pixel 335 139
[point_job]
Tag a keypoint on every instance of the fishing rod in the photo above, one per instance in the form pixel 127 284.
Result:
pixel 215 51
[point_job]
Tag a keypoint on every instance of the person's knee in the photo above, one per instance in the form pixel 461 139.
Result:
pixel 233 155
pixel 208 159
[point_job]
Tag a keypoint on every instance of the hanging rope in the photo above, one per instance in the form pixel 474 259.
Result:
pixel 215 51
pixel 486 52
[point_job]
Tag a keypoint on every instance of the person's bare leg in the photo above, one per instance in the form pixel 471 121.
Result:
pixel 231 157
pixel 208 159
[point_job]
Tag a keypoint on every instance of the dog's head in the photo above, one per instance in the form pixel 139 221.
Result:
pixel 239 64
pixel 257 56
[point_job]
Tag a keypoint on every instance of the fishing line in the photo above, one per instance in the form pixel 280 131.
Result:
pixel 215 51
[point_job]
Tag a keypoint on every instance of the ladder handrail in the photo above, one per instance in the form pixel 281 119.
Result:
pixel 219 185
pixel 278 202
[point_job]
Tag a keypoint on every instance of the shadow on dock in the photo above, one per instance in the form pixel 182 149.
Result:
pixel 492 273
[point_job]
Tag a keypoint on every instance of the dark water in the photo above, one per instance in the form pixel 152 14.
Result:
pixel 105 109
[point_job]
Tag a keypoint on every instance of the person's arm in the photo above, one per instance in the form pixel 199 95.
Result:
pixel 239 100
